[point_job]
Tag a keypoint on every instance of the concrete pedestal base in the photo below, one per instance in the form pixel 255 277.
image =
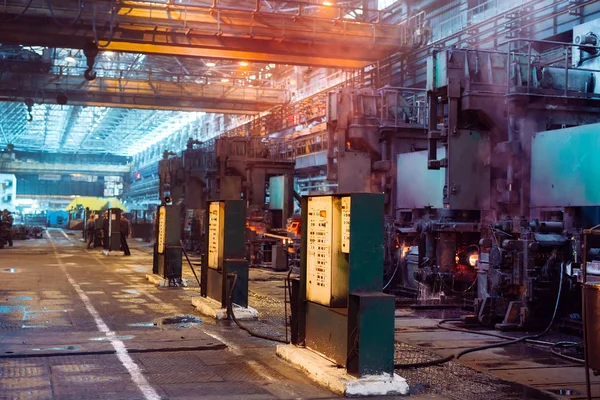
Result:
pixel 162 282
pixel 337 379
pixel 212 308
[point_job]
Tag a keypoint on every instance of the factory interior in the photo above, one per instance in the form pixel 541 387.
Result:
pixel 309 199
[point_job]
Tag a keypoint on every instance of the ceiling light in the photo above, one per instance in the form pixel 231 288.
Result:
pixel 327 3
pixel 244 63
pixel 70 59
pixel 224 80
pixel 210 64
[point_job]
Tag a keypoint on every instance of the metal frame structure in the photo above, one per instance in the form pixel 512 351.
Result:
pixel 299 32
pixel 87 130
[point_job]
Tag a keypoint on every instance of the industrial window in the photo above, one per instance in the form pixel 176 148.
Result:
pixel 383 4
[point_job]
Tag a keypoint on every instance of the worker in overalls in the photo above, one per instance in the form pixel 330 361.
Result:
pixel 90 230
pixel 105 237
pixel 124 230
pixel 7 223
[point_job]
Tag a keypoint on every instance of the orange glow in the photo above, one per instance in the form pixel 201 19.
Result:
pixel 456 259
pixel 473 258
pixel 327 3
pixel 405 251
pixel 244 63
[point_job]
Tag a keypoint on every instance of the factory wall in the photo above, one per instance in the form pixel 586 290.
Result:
pixel 63 186
pixel 8 186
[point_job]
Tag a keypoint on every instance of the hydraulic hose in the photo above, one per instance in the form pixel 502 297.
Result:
pixel 424 364
pixel 524 338
pixel 566 357
pixel 231 315
pixel 490 334
pixel 529 338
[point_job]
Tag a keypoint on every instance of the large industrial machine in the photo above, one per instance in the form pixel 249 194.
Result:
pixel 495 206
pixel 480 202
pixel 252 169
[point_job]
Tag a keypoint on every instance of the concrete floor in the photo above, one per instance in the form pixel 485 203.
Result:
pixel 78 325
pixel 75 324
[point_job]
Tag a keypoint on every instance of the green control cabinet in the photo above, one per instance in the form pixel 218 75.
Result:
pixel 341 311
pixel 167 249
pixel 114 229
pixel 225 252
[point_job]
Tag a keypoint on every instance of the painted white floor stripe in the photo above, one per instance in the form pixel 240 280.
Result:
pixel 64 234
pixel 232 347
pixel 133 369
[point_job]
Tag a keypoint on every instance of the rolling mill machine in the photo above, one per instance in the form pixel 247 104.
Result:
pixel 496 204
pixel 251 169
pixel 485 174
pixel 481 202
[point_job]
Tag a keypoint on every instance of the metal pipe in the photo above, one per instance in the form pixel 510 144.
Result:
pixel 583 313
pixel 297 197
pixel 529 72
pixel 547 226
pixel 511 157
pixel 566 69
pixel 384 157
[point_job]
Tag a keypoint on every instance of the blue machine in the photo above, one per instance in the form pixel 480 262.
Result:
pixel 57 219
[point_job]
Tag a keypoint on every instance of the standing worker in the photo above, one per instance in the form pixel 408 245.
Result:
pixel 90 230
pixel 124 230
pixel 7 223
pixel 105 237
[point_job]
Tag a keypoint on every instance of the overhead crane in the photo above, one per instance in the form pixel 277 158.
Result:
pixel 138 93
pixel 303 34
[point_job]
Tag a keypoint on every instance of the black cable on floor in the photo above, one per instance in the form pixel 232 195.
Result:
pixel 490 334
pixel 231 315
pixel 494 345
pixel 189 262
pixel 524 338
pixel 566 357
pixel 424 364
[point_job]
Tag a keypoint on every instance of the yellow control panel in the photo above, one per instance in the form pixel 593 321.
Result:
pixel 323 246
pixel 345 225
pixel 162 221
pixel 214 234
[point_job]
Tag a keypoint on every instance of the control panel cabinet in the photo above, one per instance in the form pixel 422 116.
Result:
pixel 341 304
pixel 215 230
pixel 325 267
pixel 167 250
pixel 225 252
pixel 331 235
pixel 114 231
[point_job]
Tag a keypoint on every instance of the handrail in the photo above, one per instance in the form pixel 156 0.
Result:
pixel 511 55
pixel 466 18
